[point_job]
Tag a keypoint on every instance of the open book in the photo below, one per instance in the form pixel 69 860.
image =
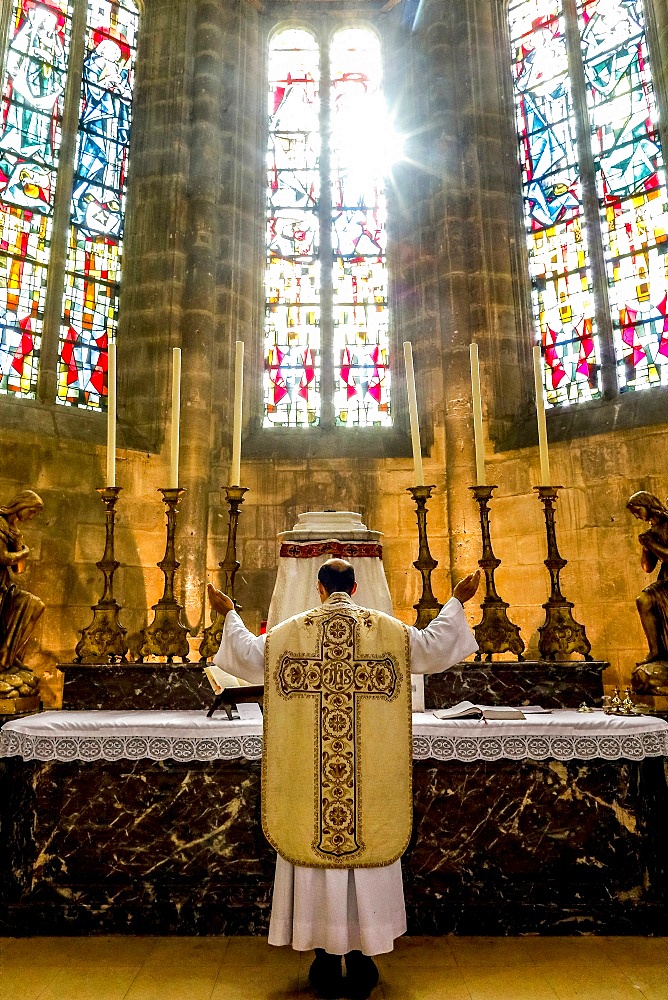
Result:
pixel 467 710
pixel 217 678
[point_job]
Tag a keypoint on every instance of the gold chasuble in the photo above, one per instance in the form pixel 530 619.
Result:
pixel 337 758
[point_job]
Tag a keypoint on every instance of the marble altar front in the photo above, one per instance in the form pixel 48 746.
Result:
pixel 149 823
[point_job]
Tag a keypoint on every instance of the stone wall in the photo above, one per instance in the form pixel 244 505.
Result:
pixel 193 278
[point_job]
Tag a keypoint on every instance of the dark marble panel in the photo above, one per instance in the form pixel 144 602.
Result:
pixel 17 828
pixel 148 847
pixel 565 684
pixel 538 847
pixel 144 686
pixel 498 848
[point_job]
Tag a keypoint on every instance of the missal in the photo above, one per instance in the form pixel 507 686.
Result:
pixel 216 677
pixel 467 710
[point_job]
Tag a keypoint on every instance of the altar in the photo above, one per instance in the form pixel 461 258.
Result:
pixel 148 822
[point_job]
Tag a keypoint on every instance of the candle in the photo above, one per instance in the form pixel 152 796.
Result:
pixel 235 472
pixel 540 413
pixel 176 416
pixel 477 418
pixel 413 413
pixel 111 417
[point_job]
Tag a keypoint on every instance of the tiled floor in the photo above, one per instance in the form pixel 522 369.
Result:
pixel 420 968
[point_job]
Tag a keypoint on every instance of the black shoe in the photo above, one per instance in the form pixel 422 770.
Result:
pixel 361 975
pixel 325 975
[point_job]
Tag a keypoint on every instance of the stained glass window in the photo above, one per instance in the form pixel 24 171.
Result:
pixel 292 276
pixel 631 185
pixel 569 291
pixel 93 265
pixel 30 139
pixel 557 237
pixel 326 325
pixel 34 101
pixel 358 157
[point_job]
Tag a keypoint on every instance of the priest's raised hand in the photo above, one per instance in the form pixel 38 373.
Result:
pixel 219 601
pixel 467 587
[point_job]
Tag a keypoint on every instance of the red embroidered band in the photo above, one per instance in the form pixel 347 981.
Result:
pixel 339 550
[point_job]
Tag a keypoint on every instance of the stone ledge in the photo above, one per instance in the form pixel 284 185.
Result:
pixel 600 416
pixel 54 422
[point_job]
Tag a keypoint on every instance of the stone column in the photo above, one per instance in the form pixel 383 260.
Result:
pixel 453 247
pixel 240 250
pixel 415 298
pixel 474 167
pixel 198 323
pixel 193 223
pixel 412 259
pixel 155 239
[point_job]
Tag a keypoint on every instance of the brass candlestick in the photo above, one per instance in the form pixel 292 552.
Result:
pixel 560 633
pixel 495 633
pixel 230 564
pixel 167 635
pixel 103 641
pixel 427 607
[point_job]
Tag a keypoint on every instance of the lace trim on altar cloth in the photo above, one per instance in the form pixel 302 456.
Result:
pixel 630 746
pixel 130 747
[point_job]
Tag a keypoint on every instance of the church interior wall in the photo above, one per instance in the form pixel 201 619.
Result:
pixel 193 279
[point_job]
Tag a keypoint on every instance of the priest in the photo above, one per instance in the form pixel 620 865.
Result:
pixel 337 766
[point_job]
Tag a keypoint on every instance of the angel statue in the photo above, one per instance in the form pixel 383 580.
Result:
pixel 19 610
pixel 652 603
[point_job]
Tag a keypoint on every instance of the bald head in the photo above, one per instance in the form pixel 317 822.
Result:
pixel 337 576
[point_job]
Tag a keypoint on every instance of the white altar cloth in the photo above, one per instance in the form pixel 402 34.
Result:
pixel 100 735
pixel 186 736
pixel 564 734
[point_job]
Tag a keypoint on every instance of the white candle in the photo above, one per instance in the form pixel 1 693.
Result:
pixel 235 472
pixel 477 418
pixel 540 413
pixel 176 417
pixel 413 413
pixel 111 417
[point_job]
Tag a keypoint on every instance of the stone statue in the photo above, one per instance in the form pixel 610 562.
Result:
pixel 19 610
pixel 651 675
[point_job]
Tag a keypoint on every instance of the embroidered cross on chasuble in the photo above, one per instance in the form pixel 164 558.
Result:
pixel 337 759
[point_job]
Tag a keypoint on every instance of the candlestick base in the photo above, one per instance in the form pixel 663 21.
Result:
pixel 103 641
pixel 495 633
pixel 561 634
pixel 167 635
pixel 214 632
pixel 427 607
